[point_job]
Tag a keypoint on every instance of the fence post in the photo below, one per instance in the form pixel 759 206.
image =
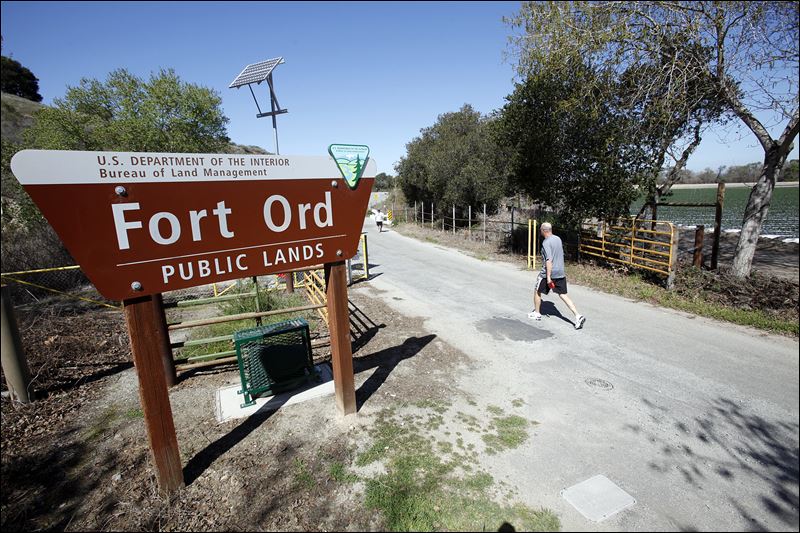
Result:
pixel 258 300
pixel 513 243
pixel 432 215
pixel 454 219
pixel 484 223
pixel 366 257
pixel 717 224
pixel 162 334
pixel 699 236
pixel 535 235
pixel 633 239
pixel 469 222
pixel 415 211
pixel 673 257
pixel 530 234
pixel 15 365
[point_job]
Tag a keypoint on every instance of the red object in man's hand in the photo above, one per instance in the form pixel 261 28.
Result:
pixel 552 284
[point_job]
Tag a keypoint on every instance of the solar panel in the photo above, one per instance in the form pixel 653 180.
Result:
pixel 255 73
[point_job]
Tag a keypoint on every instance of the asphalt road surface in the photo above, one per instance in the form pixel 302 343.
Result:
pixel 696 419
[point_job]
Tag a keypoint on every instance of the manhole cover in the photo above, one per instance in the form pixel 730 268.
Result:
pixel 599 383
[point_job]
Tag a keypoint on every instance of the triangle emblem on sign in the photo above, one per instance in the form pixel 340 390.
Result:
pixel 351 159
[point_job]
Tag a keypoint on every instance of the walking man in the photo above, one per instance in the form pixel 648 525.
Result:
pixel 379 220
pixel 552 276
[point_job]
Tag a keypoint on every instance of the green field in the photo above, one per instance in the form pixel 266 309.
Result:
pixel 782 218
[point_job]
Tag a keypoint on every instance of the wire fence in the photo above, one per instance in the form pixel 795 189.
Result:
pixel 507 228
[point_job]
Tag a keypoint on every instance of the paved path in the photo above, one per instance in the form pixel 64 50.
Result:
pixel 701 425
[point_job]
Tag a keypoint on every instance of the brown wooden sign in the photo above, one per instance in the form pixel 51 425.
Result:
pixel 146 223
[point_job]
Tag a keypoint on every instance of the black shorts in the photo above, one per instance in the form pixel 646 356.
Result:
pixel 542 287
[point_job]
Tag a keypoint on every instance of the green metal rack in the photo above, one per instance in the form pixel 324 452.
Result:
pixel 274 358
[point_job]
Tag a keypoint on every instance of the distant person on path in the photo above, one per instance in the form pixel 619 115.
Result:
pixel 552 276
pixel 379 220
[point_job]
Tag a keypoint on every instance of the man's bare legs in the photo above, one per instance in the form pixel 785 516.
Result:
pixel 566 299
pixel 537 301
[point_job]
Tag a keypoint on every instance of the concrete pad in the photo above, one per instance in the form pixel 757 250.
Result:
pixel 228 401
pixel 597 498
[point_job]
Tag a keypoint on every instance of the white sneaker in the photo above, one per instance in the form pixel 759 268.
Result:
pixel 579 320
pixel 534 315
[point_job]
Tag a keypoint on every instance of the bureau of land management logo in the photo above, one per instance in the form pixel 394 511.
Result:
pixel 351 160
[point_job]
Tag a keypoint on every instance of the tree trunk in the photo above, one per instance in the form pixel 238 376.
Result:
pixel 756 211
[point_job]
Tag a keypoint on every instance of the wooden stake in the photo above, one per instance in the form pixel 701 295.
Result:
pixel 290 283
pixel 717 225
pixel 143 319
pixel 161 334
pixel 341 349
pixel 699 235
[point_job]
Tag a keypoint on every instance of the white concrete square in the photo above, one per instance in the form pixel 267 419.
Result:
pixel 597 498
pixel 228 401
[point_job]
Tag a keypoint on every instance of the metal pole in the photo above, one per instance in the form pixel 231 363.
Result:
pixel 15 365
pixel 432 215
pixel 530 234
pixel 415 211
pixel 274 117
pixel 258 300
pixel 469 222
pixel 454 219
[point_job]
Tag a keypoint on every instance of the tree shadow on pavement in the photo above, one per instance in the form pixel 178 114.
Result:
pixel 743 449
pixel 385 360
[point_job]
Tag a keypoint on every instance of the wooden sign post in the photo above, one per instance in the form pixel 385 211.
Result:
pixel 341 348
pixel 140 224
pixel 142 317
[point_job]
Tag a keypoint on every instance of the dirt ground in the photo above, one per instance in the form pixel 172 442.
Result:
pixel 78 458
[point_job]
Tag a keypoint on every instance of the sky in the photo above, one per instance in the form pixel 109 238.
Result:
pixel 354 72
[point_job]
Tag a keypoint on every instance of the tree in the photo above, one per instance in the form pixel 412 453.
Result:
pixel 569 154
pixel 18 80
pixel 791 171
pixel 127 113
pixel 454 162
pixel 383 181
pixel 747 51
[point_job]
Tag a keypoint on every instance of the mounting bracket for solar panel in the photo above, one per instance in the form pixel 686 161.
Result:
pixel 257 73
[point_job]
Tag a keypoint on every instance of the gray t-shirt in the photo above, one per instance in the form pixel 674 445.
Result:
pixel 554 251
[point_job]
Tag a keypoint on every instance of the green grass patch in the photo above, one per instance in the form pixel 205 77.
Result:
pixel 507 433
pixel 494 410
pixel 302 474
pixel 517 403
pixel 134 413
pixel 339 473
pixel 422 489
pixel 102 424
